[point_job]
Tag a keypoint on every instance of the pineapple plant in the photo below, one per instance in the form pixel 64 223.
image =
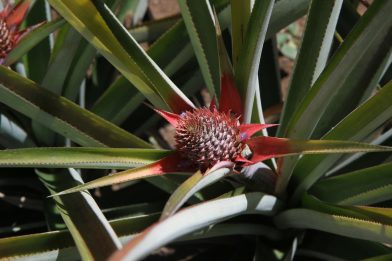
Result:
pixel 292 178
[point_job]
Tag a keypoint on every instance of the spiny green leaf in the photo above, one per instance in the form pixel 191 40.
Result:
pixel 366 44
pixel 99 34
pixel 91 158
pixel 372 214
pixel 314 52
pixel 340 77
pixel 364 186
pixel 269 147
pixel 168 164
pixel 333 146
pixel 249 57
pixel 356 126
pixel 340 225
pixel 200 26
pixel 148 70
pixel 61 115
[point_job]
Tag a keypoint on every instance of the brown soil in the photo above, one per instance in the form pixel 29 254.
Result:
pixel 162 8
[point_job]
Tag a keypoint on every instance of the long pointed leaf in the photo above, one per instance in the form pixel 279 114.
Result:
pixel 365 186
pixel 356 126
pixel 91 158
pixel 347 159
pixel 13 247
pixel 122 98
pixel 77 74
pixel 193 184
pixel 37 59
pixel 374 214
pixel 169 164
pixel 340 225
pixel 269 147
pixel 340 77
pixel 249 57
pixel 59 243
pixel 61 115
pixel 240 13
pixel 194 218
pixel 83 217
pixel 97 32
pixel 67 43
pixel 200 26
pixel 313 55
pixel 150 72
pixel 368 42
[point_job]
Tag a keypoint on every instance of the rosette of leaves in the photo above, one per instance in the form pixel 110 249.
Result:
pixel 73 119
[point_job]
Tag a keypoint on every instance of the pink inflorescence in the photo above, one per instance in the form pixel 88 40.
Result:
pixel 206 137
pixel 6 39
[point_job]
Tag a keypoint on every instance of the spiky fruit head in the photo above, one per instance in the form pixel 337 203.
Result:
pixel 206 137
pixel 6 39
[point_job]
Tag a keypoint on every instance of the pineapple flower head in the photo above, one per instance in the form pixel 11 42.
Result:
pixel 208 136
pixel 10 19
pixel 211 138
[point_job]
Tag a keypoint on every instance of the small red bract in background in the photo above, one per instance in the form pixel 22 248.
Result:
pixel 11 18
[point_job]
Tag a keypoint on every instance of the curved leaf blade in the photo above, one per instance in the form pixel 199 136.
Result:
pixel 169 164
pixel 200 26
pixel 28 245
pixel 313 54
pixel 339 81
pixel 361 187
pixel 269 147
pixel 119 47
pixel 340 225
pixel 148 70
pixel 192 185
pixel 374 214
pixel 90 158
pixel 194 218
pixel 246 72
pixel 82 216
pixel 62 115
pixel 356 126
pixel 65 50
pixel 59 243
pixel 365 45
pixel 98 33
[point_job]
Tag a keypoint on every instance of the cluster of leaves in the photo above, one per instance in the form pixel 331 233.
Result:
pixel 72 93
